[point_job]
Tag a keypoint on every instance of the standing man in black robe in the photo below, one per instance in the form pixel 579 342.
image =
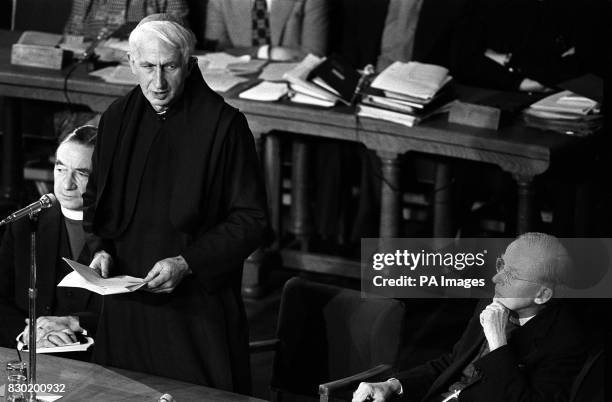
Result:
pixel 176 196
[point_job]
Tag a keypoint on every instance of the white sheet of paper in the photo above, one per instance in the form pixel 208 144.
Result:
pixel 222 81
pixel 275 71
pixel 266 91
pixel 89 279
pixel 219 60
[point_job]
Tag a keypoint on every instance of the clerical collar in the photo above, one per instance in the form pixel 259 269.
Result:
pixel 72 214
pixel 523 321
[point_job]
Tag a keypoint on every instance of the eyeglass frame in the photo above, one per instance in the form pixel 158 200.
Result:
pixel 500 265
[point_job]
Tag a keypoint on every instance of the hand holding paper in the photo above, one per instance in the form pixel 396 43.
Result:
pixel 88 278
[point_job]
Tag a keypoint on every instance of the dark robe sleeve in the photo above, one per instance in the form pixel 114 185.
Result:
pixel 11 319
pixel 94 243
pixel 469 43
pixel 222 249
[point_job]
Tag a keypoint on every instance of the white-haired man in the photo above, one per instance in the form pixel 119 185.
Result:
pixel 176 196
pixel 63 311
pixel 521 346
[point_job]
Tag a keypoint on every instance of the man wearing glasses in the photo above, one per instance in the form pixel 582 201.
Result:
pixel 523 345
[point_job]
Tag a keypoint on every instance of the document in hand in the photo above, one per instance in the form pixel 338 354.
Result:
pixel 87 278
pixel 412 79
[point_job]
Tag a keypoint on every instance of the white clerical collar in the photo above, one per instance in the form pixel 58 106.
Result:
pixel 72 214
pixel 523 321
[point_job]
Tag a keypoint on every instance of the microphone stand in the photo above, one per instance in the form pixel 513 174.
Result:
pixel 32 293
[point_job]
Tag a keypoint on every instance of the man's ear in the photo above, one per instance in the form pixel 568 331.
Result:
pixel 544 294
pixel 132 62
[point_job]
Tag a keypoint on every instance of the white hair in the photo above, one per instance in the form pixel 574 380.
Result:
pixel 170 32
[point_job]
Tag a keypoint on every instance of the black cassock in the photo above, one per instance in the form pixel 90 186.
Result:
pixel 185 183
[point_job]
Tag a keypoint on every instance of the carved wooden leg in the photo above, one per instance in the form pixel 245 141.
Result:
pixel 525 211
pixel 390 196
pixel 443 219
pixel 300 180
pixel 12 152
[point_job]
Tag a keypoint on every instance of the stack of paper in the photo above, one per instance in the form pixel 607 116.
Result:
pixel 266 91
pixel 304 91
pixel 406 93
pixel 565 112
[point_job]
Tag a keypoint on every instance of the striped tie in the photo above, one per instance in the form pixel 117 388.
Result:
pixel 261 23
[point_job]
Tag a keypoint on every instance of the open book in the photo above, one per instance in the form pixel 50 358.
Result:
pixel 298 80
pixel 87 278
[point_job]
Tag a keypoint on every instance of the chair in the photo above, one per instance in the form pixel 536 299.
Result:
pixel 590 382
pixel 326 332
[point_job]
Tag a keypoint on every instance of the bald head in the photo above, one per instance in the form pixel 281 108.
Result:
pixel 550 260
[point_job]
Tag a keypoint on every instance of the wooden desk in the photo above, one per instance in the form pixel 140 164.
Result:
pixel 91 382
pixel 524 152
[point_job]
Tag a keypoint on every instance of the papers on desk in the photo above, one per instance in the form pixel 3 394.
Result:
pixel 82 344
pixel 40 396
pixel 120 74
pixel 276 71
pixel 87 278
pixel 266 91
pixel 222 81
pixel 566 104
pixel 303 88
pixel 252 66
pixel 565 112
pixel 219 60
pixel 412 80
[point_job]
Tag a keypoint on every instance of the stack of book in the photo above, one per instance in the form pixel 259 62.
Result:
pixel 406 93
pixel 322 81
pixel 565 112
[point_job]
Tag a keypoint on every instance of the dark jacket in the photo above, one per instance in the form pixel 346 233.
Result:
pixel 538 363
pixel 549 41
pixel 52 245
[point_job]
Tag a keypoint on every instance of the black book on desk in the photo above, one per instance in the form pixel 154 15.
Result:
pixel 336 76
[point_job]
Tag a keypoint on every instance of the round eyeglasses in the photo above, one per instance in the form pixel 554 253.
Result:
pixel 506 274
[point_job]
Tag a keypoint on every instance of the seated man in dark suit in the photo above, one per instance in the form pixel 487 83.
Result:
pixel 521 346
pixel 529 45
pixel 65 311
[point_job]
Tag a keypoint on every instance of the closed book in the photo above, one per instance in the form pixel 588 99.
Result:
pixel 388 115
pixel 337 76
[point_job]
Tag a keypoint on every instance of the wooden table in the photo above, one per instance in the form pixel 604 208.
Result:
pixel 523 152
pixel 91 382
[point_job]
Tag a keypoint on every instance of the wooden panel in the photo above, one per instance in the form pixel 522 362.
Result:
pixel 321 263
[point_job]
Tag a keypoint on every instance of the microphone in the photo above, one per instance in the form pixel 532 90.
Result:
pixel 46 201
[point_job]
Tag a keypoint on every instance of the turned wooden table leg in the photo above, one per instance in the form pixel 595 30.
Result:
pixel 390 196
pixel 300 180
pixel 443 219
pixel 525 210
pixel 272 172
